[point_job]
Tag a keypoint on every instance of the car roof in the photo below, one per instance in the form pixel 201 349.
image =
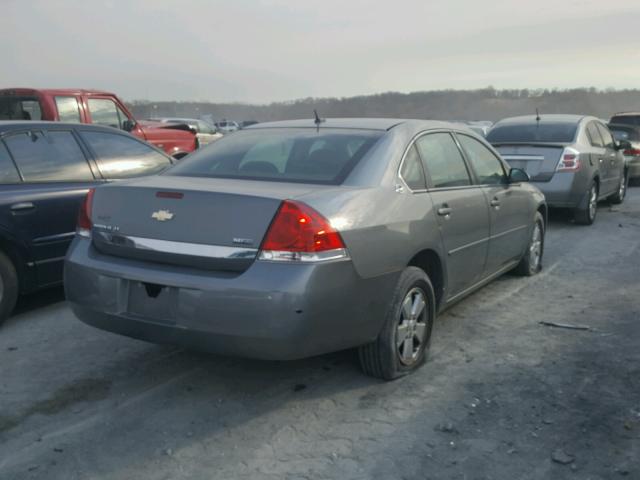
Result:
pixel 352 123
pixel 52 91
pixel 13 125
pixel 544 118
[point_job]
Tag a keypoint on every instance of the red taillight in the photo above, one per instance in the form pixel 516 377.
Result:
pixel 84 216
pixel 634 152
pixel 570 161
pixel 298 232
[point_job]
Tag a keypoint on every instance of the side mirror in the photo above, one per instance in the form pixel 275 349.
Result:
pixel 128 125
pixel 624 145
pixel 517 175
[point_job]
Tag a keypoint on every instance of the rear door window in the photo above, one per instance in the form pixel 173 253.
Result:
pixel 68 110
pixel 120 156
pixel 105 112
pixel 51 157
pixel 485 164
pixel 8 172
pixel 607 138
pixel 594 135
pixel 20 108
pixel 445 165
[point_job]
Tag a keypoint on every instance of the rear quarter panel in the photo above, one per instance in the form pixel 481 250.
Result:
pixel 382 229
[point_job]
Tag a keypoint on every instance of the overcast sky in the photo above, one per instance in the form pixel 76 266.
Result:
pixel 272 50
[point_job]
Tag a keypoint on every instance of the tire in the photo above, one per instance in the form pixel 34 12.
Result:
pixel 388 357
pixel 8 287
pixel 585 214
pixel 531 262
pixel 618 197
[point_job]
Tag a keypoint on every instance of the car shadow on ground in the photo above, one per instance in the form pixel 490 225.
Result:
pixel 33 301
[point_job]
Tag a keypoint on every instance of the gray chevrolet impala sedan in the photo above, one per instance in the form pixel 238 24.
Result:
pixel 292 239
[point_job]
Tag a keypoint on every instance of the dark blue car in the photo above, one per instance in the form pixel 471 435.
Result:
pixel 46 168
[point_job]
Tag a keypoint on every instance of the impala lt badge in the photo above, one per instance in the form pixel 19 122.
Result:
pixel 162 215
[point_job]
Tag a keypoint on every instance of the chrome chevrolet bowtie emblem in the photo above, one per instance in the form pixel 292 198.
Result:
pixel 162 215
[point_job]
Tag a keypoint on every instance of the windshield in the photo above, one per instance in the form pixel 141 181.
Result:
pixel 533 133
pixel 284 155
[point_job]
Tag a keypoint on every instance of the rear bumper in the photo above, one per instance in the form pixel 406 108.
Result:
pixel 564 190
pixel 271 311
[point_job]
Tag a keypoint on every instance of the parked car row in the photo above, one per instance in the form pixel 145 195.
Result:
pixel 574 160
pixel 94 107
pixel 291 239
pixel 205 132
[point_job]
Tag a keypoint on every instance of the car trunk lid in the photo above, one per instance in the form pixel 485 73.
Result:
pixel 194 222
pixel 539 160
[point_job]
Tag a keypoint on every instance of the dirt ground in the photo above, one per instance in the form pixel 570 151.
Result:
pixel 503 397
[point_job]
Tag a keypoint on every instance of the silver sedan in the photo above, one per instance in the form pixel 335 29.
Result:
pixel 298 238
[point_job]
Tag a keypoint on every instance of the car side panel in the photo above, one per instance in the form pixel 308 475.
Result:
pixel 511 219
pixel 382 229
pixel 464 235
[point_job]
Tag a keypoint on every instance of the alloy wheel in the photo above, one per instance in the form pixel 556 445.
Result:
pixel 622 190
pixel 535 248
pixel 593 202
pixel 412 326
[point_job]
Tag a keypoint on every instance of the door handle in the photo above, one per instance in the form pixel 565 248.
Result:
pixel 22 206
pixel 444 211
pixel 495 203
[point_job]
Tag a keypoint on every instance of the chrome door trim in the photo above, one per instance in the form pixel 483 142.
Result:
pixel 468 245
pixel 507 232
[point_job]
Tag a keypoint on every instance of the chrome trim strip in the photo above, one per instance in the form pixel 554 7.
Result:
pixel 55 238
pixel 507 232
pixel 469 245
pixel 179 248
pixel 514 156
pixel 487 239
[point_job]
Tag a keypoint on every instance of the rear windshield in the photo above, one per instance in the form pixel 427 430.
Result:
pixel 533 132
pixel 621 133
pixel 626 120
pixel 20 108
pixel 281 155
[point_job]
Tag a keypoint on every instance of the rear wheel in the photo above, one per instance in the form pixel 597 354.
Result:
pixel 403 343
pixel 531 262
pixel 585 214
pixel 618 197
pixel 8 287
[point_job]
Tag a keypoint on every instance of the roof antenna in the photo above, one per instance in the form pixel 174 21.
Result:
pixel 317 120
pixel 537 116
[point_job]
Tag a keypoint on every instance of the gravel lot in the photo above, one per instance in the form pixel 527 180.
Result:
pixel 503 397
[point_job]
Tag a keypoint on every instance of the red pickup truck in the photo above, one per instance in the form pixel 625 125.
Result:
pixel 91 106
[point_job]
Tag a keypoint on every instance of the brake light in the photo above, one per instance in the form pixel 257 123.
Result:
pixel 634 152
pixel 299 233
pixel 570 161
pixel 84 216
